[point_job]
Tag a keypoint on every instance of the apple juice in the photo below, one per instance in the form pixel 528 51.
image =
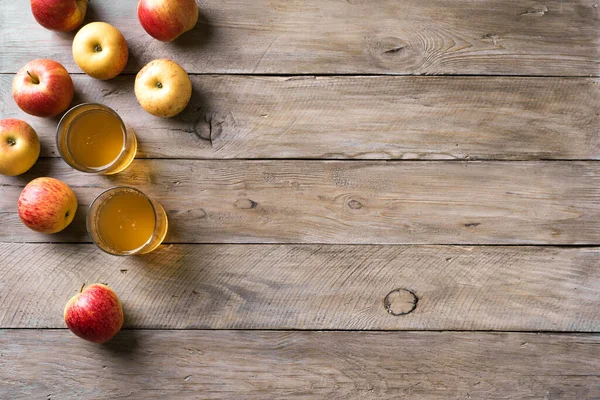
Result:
pixel 124 221
pixel 93 138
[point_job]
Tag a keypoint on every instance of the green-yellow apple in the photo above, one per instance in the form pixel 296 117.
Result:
pixel 43 88
pixel 163 88
pixel 47 205
pixel 100 50
pixel 59 15
pixel 166 20
pixel 95 314
pixel 19 146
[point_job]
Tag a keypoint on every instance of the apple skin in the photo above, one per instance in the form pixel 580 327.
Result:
pixel 47 205
pixel 166 20
pixel 100 50
pixel 43 88
pixel 19 147
pixel 59 15
pixel 163 88
pixel 95 314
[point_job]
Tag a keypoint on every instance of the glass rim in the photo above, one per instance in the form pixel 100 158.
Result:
pixel 130 252
pixel 81 167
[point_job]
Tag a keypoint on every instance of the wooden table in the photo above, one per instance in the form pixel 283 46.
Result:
pixel 343 225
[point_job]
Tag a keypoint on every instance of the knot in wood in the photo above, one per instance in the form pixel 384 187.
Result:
pixel 245 204
pixel 400 302
pixel 355 204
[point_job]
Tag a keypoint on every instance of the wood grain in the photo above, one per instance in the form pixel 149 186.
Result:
pixel 355 117
pixel 510 37
pixel 312 286
pixel 346 202
pixel 299 365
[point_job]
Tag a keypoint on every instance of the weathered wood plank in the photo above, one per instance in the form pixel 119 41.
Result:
pixel 337 36
pixel 360 202
pixel 356 117
pixel 300 365
pixel 312 286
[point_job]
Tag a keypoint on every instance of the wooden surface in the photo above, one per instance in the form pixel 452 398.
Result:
pixel 336 230
pixel 391 118
pixel 313 286
pixel 484 37
pixel 300 365
pixel 354 202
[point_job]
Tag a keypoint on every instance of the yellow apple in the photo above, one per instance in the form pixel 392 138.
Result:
pixel 100 50
pixel 19 147
pixel 163 88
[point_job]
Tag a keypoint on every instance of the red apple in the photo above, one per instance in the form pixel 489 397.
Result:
pixel 19 146
pixel 47 205
pixel 165 20
pixel 43 88
pixel 59 15
pixel 95 314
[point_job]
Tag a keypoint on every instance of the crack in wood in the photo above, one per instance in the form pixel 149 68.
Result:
pixel 394 50
pixel 537 10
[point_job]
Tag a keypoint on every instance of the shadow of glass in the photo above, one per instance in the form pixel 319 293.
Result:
pixel 174 272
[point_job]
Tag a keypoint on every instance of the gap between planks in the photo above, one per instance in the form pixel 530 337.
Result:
pixel 353 75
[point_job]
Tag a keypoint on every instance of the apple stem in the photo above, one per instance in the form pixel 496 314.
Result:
pixel 35 80
pixel 11 141
pixel 82 286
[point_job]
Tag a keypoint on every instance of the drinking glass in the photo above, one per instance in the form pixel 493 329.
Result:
pixel 124 221
pixel 91 137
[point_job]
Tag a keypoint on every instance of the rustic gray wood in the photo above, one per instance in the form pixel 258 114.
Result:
pixel 299 365
pixel 485 37
pixel 315 263
pixel 355 117
pixel 343 202
pixel 312 286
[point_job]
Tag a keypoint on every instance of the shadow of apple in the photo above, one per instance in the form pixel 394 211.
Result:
pixel 196 37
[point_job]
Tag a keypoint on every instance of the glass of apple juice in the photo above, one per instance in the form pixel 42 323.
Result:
pixel 92 137
pixel 124 221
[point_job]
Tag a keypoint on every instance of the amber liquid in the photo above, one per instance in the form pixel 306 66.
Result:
pixel 126 221
pixel 95 138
